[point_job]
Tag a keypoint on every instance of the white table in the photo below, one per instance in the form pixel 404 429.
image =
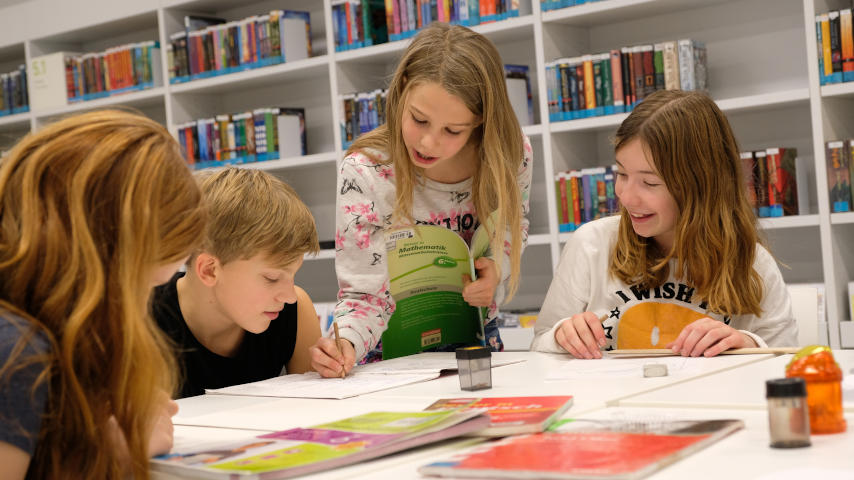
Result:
pixel 743 387
pixel 745 455
pixel 518 379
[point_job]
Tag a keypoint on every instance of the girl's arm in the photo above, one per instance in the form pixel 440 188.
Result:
pixel 776 326
pixel 523 179
pixel 308 331
pixel 362 213
pixel 564 299
pixel 14 460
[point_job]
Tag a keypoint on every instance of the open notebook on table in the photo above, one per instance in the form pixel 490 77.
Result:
pixel 363 379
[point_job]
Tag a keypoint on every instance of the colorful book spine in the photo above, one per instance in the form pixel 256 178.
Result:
pixel 847 41
pixel 670 59
pixel 835 47
pixel 617 81
pixel 762 184
pixel 838 156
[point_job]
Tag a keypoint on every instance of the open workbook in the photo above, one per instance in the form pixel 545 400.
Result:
pixel 426 264
pixel 363 379
pixel 587 449
pixel 299 451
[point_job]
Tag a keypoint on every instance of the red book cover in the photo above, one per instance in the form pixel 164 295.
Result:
pixel 782 183
pixel 511 415
pixel 609 451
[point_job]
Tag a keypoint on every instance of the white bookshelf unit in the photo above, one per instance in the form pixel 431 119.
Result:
pixel 762 68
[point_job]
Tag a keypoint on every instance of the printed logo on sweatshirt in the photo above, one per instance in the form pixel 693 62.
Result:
pixel 654 317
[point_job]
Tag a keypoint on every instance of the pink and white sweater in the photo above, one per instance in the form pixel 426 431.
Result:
pixel 364 206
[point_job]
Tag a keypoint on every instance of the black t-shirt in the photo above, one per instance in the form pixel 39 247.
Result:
pixel 259 356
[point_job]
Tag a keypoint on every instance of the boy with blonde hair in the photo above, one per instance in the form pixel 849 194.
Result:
pixel 236 315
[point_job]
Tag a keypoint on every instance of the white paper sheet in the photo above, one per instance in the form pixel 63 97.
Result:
pixel 312 385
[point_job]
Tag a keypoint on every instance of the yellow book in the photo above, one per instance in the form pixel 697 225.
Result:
pixel 825 45
pixel 589 87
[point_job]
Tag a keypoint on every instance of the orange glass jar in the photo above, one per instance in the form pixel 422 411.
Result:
pixel 816 365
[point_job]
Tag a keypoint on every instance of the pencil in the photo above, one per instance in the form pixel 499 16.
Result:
pixel 733 351
pixel 338 346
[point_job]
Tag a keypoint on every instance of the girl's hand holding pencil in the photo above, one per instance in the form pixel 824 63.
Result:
pixel 582 335
pixel 332 359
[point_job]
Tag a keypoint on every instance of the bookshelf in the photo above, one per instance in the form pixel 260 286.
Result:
pixel 762 69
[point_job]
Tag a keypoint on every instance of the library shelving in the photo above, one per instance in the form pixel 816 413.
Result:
pixel 762 68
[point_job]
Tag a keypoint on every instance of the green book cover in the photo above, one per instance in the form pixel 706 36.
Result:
pixel 300 451
pixel 426 264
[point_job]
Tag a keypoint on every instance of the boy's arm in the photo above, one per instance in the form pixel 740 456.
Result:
pixel 364 302
pixel 308 331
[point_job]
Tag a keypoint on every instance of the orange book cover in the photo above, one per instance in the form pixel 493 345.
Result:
pixel 511 415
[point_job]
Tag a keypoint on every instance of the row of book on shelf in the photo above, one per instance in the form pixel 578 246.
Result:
pixel 13 92
pixel 361 23
pixel 835 45
pixel 776 181
pixel 584 195
pixel 59 78
pixel 775 178
pixel 615 81
pixel 556 4
pixel 245 137
pixel 211 46
pixel 361 113
pixel 840 171
pixel 119 69
pixel 365 111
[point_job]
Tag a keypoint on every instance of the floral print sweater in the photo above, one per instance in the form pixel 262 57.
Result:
pixel 364 206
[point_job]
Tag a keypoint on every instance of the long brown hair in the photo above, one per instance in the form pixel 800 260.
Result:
pixel 88 207
pixel 468 66
pixel 693 149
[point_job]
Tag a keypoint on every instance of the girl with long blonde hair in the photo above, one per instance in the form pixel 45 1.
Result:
pixel 95 210
pixel 450 153
pixel 683 266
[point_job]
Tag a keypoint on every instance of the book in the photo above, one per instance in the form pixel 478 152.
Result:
pixel 782 181
pixel 519 91
pixel 838 176
pixel 591 449
pixel 300 451
pixel 426 264
pixel 511 415
pixel 290 126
